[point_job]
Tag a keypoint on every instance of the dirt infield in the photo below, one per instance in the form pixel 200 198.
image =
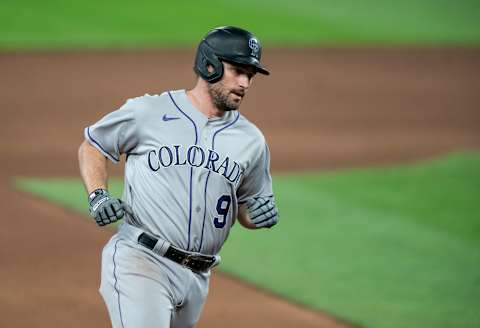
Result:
pixel 320 109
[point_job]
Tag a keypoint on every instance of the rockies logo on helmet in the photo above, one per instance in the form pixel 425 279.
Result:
pixel 253 44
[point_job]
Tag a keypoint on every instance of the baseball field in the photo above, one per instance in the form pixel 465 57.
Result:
pixel 372 114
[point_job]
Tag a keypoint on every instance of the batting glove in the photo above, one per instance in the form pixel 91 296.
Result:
pixel 105 209
pixel 263 212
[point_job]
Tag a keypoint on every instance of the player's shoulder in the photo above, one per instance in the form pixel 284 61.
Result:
pixel 250 129
pixel 146 105
pixel 147 100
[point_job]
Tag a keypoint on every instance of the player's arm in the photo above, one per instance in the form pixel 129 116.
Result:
pixel 258 212
pixel 93 167
pixel 109 138
pixel 257 207
pixel 93 170
pixel 244 217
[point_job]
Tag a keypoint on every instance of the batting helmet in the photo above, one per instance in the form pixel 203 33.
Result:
pixel 230 44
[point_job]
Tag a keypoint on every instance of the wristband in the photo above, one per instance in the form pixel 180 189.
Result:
pixel 95 193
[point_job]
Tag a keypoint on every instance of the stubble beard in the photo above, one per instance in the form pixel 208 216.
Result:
pixel 220 98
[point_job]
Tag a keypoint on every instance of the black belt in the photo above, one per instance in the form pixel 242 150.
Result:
pixel 193 261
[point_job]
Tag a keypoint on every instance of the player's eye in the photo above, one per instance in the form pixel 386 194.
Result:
pixel 242 71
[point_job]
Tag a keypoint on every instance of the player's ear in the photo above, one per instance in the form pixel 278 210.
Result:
pixel 210 68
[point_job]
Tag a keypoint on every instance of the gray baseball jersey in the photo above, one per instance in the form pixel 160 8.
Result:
pixel 185 173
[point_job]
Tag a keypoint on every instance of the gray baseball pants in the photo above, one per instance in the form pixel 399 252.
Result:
pixel 143 289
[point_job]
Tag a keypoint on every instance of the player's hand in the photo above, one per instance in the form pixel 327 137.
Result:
pixel 263 212
pixel 105 209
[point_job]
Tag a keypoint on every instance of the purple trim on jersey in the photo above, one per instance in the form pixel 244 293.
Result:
pixel 208 176
pixel 204 211
pixel 100 146
pixel 191 169
pixel 226 126
pixel 116 283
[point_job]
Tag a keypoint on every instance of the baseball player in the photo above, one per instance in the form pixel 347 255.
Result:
pixel 194 165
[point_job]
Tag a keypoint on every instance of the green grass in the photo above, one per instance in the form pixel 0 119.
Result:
pixel 153 23
pixel 385 247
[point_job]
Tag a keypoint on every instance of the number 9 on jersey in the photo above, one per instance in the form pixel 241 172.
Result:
pixel 223 205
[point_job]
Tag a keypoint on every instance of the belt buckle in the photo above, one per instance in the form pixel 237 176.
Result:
pixel 186 261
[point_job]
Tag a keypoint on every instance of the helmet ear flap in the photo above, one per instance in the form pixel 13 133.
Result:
pixel 205 58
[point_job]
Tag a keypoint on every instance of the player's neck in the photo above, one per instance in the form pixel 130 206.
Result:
pixel 201 99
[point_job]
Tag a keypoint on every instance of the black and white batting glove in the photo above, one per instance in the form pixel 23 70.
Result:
pixel 105 209
pixel 263 212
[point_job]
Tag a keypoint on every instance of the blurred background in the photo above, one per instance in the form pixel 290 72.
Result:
pixel 372 115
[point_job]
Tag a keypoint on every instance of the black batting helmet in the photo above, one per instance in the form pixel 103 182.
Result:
pixel 230 44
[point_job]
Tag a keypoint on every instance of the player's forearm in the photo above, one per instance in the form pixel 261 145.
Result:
pixel 93 167
pixel 244 217
pixel 258 212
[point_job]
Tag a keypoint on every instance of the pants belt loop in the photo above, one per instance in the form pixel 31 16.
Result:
pixel 132 233
pixel 161 247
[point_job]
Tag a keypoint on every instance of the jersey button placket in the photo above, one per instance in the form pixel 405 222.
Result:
pixel 205 144
pixel 205 136
pixel 199 174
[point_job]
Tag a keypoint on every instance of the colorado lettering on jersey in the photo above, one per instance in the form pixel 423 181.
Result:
pixel 194 156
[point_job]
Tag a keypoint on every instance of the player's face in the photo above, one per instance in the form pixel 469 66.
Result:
pixel 227 94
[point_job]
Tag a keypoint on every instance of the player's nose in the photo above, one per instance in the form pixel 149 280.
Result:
pixel 244 81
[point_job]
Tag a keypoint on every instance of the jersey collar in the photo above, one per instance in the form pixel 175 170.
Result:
pixel 182 101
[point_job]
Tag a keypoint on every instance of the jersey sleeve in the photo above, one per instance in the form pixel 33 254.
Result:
pixel 257 181
pixel 115 133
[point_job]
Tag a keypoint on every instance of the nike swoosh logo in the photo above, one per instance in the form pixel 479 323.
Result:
pixel 166 118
